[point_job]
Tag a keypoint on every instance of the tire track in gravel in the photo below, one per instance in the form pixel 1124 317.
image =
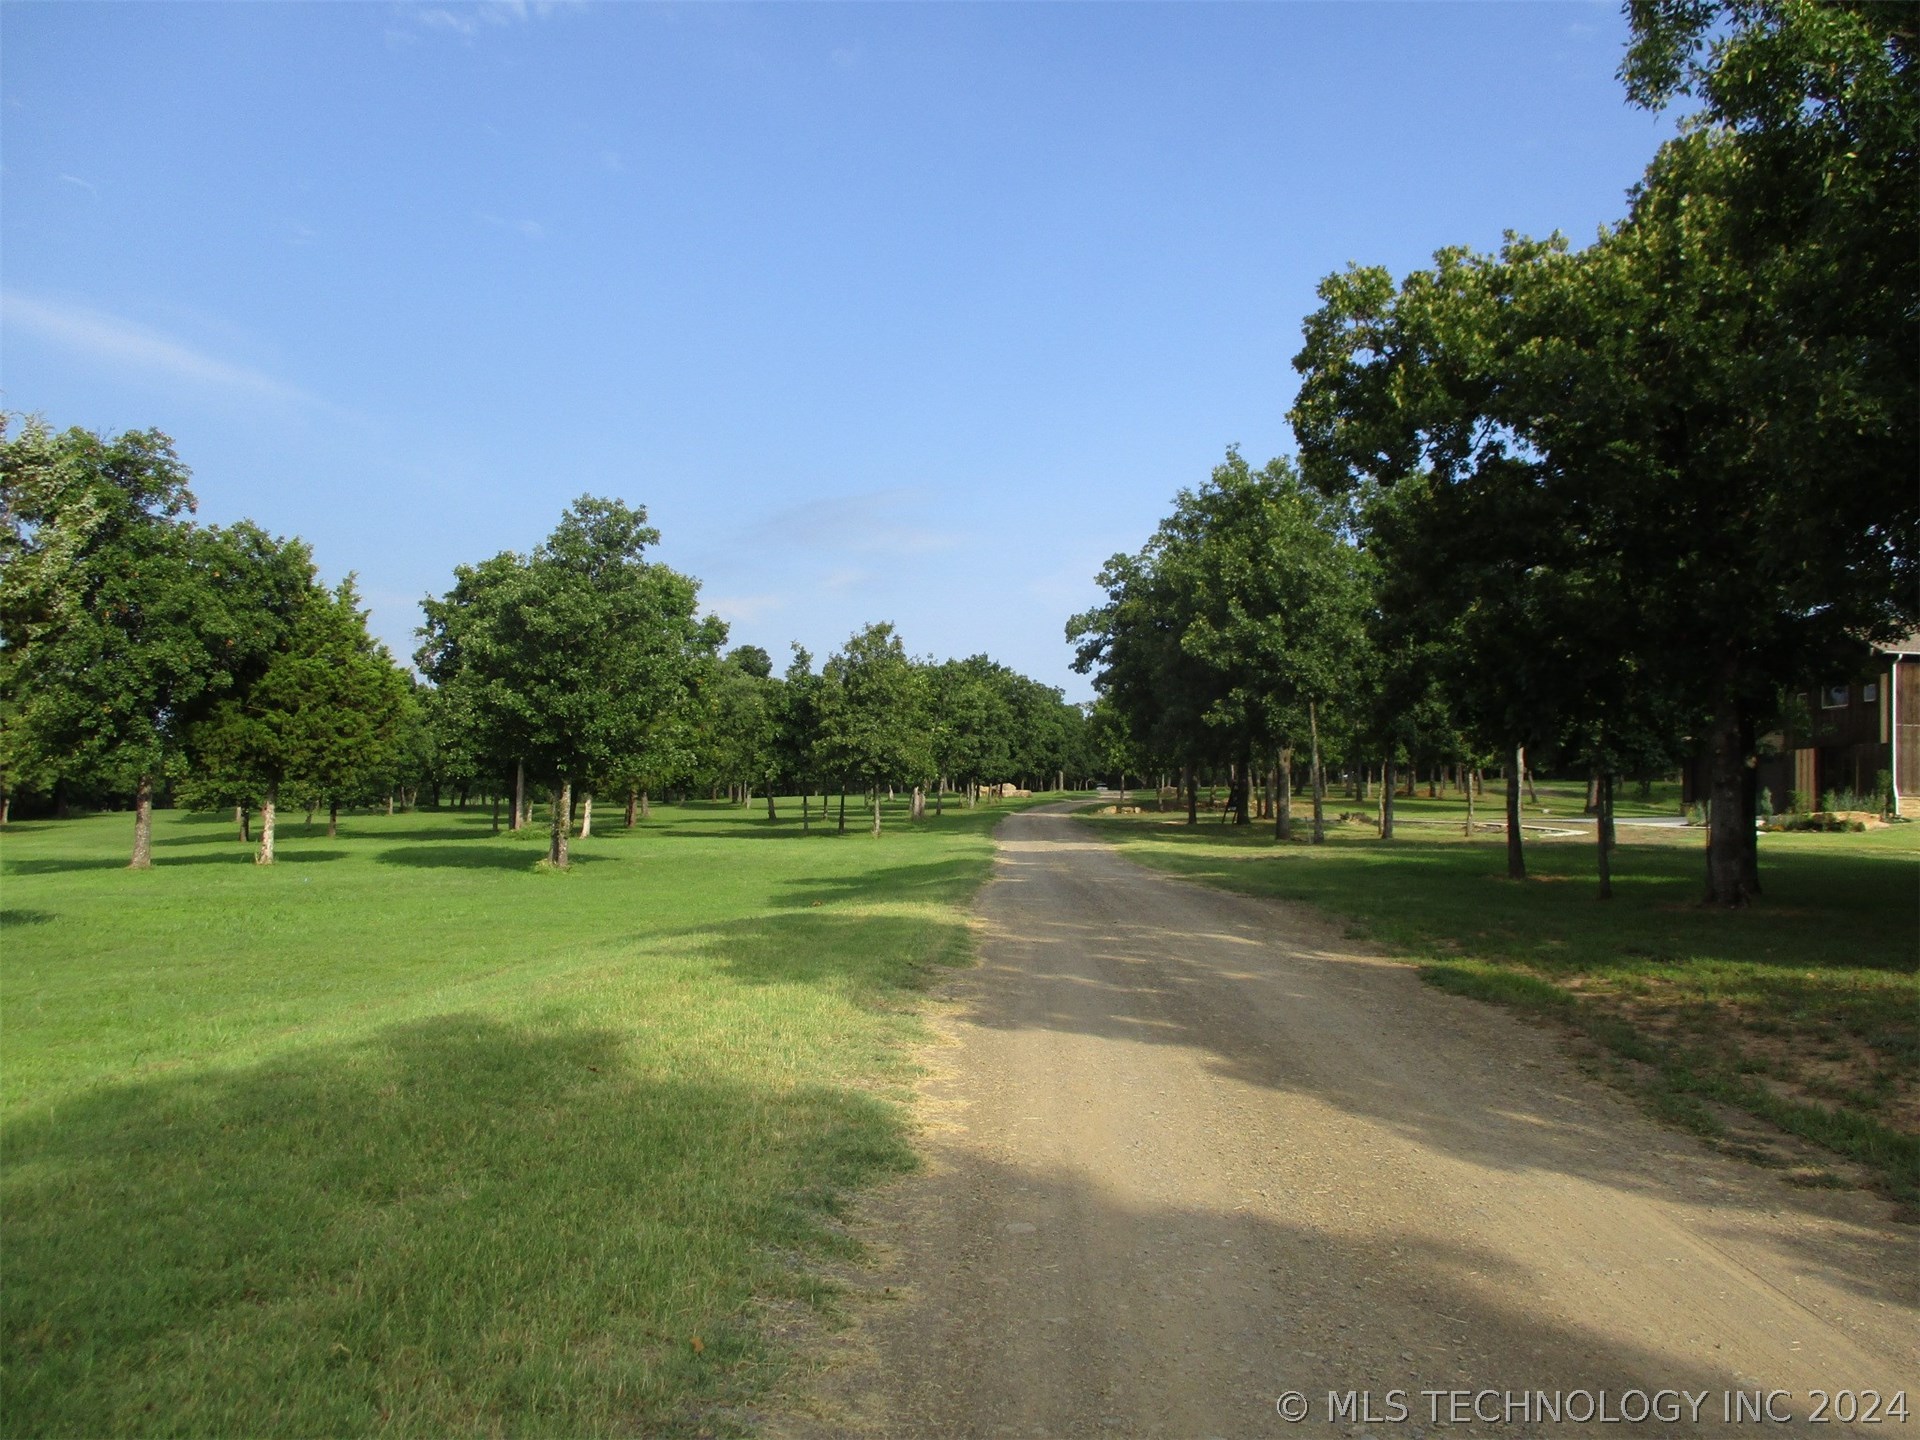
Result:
pixel 1187 1151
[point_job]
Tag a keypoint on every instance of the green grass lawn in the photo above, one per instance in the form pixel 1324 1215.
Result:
pixel 1803 1009
pixel 403 1135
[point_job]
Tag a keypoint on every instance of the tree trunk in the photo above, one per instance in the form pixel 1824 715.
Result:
pixel 521 812
pixel 244 816
pixel 1319 776
pixel 1603 830
pixel 389 802
pixel 1386 800
pixel 1750 803
pixel 1526 775
pixel 1593 791
pixel 919 803
pixel 142 825
pixel 496 814
pixel 1190 785
pixel 939 798
pixel 268 803
pixel 1467 790
pixel 633 804
pixel 876 808
pixel 586 813
pixel 1283 808
pixel 562 814
pixel 806 810
pixel 646 808
pixel 333 818
pixel 1516 856
pixel 843 811
pixel 771 814
pixel 1732 860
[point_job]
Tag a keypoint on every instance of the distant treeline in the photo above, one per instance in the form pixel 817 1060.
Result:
pixel 147 658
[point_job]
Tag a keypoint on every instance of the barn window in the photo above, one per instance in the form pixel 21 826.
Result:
pixel 1836 697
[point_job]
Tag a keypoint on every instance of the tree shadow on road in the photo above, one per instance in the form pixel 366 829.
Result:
pixel 1278 1000
pixel 1039 1293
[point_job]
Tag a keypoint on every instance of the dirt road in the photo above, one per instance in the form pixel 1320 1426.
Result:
pixel 1189 1152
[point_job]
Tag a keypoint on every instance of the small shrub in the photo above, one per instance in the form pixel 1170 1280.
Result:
pixel 1883 792
pixel 1835 801
pixel 1799 802
pixel 1765 806
pixel 1696 814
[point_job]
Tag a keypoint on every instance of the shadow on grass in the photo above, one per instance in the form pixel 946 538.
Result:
pixel 457 1218
pixel 934 880
pixel 285 855
pixel 464 855
pixel 787 827
pixel 20 915
pixel 1818 911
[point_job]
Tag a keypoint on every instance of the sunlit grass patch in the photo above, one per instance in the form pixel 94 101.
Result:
pixel 402 1135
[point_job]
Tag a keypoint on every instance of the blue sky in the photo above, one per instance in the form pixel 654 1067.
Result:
pixel 904 312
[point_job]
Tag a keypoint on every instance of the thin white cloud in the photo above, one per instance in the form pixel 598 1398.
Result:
pixel 530 229
pixel 745 609
pixel 108 340
pixel 86 185
pixel 844 579
pixel 469 20
pixel 878 522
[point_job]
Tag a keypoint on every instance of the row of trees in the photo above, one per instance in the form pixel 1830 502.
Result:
pixel 1610 502
pixel 588 666
pixel 144 655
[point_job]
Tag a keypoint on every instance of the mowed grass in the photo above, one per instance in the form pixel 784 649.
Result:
pixel 403 1135
pixel 1803 1009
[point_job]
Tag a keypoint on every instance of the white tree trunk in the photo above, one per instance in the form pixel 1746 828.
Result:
pixel 268 804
